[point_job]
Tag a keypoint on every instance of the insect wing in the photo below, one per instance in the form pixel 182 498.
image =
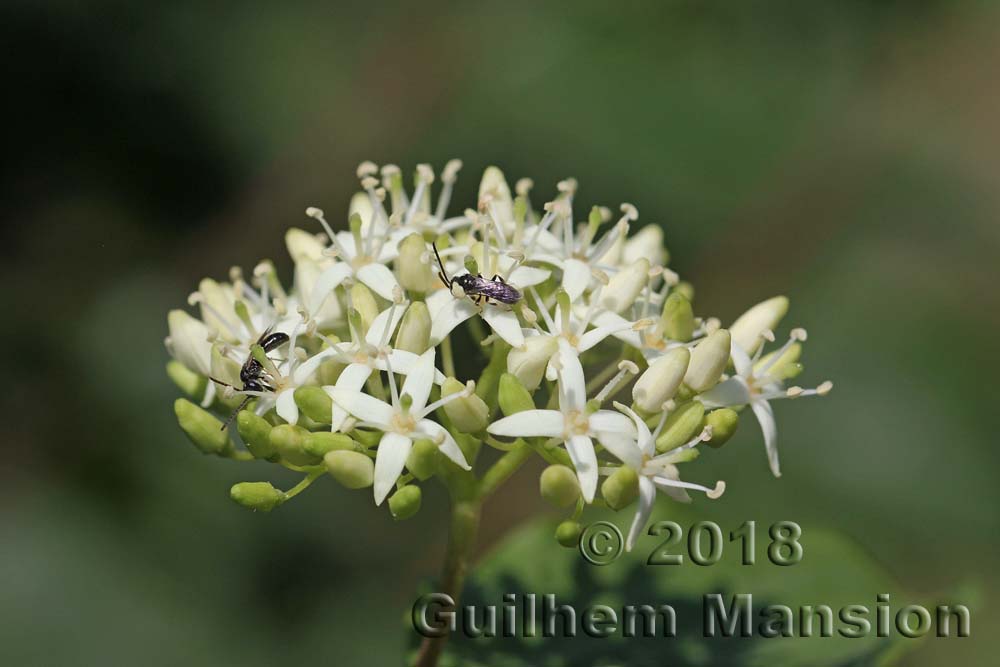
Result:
pixel 498 291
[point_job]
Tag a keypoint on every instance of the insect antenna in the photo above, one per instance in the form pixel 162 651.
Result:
pixel 236 412
pixel 224 384
pixel 441 273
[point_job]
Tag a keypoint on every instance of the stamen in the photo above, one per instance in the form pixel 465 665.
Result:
pixel 393 391
pixel 317 214
pixel 367 168
pixel 625 368
pixel 470 388
pixel 667 407
pixel 523 187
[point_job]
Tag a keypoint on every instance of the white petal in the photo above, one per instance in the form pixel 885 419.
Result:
pixel 526 276
pixel 364 407
pixel 326 283
pixel 377 329
pixel 596 335
pixel 624 333
pixel 403 363
pixel 352 378
pixel 285 406
pixel 727 394
pixel 765 416
pixel 609 421
pixel 624 449
pixel 644 438
pixel 548 423
pixel 450 316
pixel 504 323
pixel 419 381
pixel 393 449
pixel 448 445
pixel 581 451
pixel 741 360
pixel 576 278
pixel 647 496
pixel 572 386
pixel 379 278
pixel 304 370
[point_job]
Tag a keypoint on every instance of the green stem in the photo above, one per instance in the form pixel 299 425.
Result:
pixel 461 541
pixel 304 484
pixel 504 467
pixel 447 357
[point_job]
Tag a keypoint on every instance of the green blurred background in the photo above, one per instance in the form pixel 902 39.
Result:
pixel 845 154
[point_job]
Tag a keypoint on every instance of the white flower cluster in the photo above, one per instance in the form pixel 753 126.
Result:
pixel 341 374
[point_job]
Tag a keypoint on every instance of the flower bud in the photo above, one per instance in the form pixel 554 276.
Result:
pixel 678 318
pixel 361 206
pixel 621 488
pixel 660 381
pixel 708 360
pixel 623 288
pixel 495 186
pixel 682 425
pixel 188 341
pixel 186 380
pixel 559 485
pixel 723 422
pixel 414 329
pixel 513 397
pixel 405 502
pixel 364 302
pixel 256 434
pixel 314 403
pixel 413 271
pixel 528 362
pixel 321 443
pixel 468 414
pixel 766 315
pixel 686 289
pixel 568 533
pixel 303 245
pixel 202 428
pixel 648 243
pixel 352 469
pixel 257 495
pixel 289 441
pixel 423 459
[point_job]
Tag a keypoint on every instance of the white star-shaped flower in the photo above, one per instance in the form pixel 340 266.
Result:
pixel 402 421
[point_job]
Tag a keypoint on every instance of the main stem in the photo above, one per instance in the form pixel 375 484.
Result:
pixel 461 541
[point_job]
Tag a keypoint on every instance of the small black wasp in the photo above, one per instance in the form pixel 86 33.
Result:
pixel 253 374
pixel 480 288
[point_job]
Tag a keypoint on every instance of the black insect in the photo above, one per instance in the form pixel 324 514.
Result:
pixel 253 375
pixel 479 288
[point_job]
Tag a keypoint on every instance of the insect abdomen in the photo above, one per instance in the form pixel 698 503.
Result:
pixel 499 292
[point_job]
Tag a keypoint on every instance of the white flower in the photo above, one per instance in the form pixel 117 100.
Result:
pixel 364 253
pixel 656 472
pixel 758 381
pixel 448 311
pixel 575 423
pixel 368 352
pixel 402 421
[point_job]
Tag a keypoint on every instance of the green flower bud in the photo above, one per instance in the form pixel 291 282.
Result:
pixel 257 495
pixel 289 441
pixel 686 289
pixel 568 533
pixel 364 302
pixel 188 381
pixel 625 286
pixel 321 443
pixel 405 502
pixel 413 270
pixel 559 485
pixel 784 367
pixel 368 439
pixel 620 488
pixel 330 369
pixel 513 396
pixel 708 360
pixel 314 403
pixel 423 459
pixel 256 434
pixel 352 469
pixel 202 428
pixel 678 317
pixel 723 422
pixel 414 329
pixel 528 362
pixel 660 381
pixel 468 414
pixel 683 424
pixel 747 328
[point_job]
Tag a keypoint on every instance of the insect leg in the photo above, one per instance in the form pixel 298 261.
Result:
pixel 238 409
